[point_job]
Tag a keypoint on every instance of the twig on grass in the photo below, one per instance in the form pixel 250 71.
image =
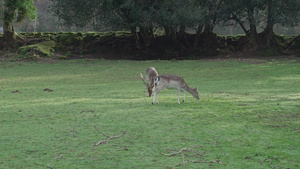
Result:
pixel 296 131
pixel 110 69
pixel 184 149
pixel 189 161
pixel 86 111
pixel 95 114
pixel 50 166
pixel 74 127
pixel 186 160
pixel 107 136
pixel 92 111
pixel 59 157
pixel 178 152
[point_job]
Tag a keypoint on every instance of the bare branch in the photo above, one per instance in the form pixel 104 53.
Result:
pixel 181 151
pixel 59 157
pixel 101 132
pixel 185 158
pixel 107 136
pixel 176 152
pixel 189 161
pixel 74 127
pixel 87 111
pixel 92 111
pixel 50 166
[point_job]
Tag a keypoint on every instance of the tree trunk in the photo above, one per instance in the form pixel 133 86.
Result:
pixel 209 37
pixel 9 34
pixel 147 36
pixel 198 35
pixel 136 37
pixel 182 30
pixel 183 36
pixel 268 35
pixel 167 30
pixel 269 32
pixel 253 38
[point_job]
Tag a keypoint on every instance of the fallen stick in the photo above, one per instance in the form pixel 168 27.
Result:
pixel 87 111
pixel 50 166
pixel 296 131
pixel 92 111
pixel 181 151
pixel 59 157
pixel 74 127
pixel 189 161
pixel 107 136
pixel 176 152
pixel 186 160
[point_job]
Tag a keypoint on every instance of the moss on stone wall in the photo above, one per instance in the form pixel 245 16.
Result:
pixel 73 44
pixel 42 49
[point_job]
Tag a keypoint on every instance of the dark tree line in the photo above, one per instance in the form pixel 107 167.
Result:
pixel 148 20
pixel 173 18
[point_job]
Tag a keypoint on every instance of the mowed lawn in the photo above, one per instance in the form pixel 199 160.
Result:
pixel 94 114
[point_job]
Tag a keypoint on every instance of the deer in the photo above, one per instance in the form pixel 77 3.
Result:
pixel 151 75
pixel 172 81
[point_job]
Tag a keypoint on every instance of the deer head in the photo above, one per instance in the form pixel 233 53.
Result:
pixel 149 87
pixel 195 93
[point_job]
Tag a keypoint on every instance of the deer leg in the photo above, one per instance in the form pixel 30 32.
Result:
pixel 153 97
pixel 183 96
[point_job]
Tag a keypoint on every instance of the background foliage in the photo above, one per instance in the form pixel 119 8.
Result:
pixel 88 15
pixel 182 25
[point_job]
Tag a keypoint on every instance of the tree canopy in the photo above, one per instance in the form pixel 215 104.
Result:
pixel 175 17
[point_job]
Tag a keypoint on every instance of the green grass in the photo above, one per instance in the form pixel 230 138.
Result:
pixel 248 115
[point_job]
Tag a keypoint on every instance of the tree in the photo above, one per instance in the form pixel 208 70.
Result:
pixel 138 16
pixel 254 14
pixel 16 10
pixel 211 12
pixel 284 12
pixel 246 14
pixel 176 16
pixel 77 13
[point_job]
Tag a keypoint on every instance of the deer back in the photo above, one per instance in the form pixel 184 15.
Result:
pixel 170 81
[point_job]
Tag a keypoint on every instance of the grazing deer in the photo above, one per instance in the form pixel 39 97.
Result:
pixel 172 81
pixel 151 75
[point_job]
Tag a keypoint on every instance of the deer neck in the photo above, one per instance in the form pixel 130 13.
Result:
pixel 188 89
pixel 152 83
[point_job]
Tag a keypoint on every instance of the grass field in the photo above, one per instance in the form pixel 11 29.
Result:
pixel 53 114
